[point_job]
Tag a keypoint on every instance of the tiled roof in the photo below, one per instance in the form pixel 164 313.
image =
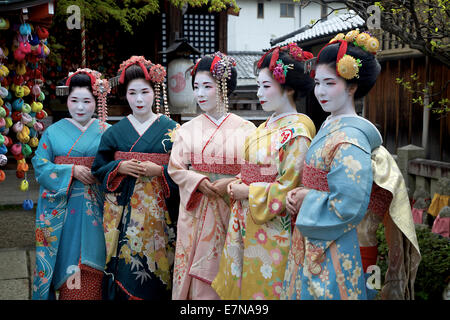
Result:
pixel 331 26
pixel 244 63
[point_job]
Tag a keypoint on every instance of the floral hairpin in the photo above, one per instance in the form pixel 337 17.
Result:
pixel 346 65
pixel 277 67
pixel 280 71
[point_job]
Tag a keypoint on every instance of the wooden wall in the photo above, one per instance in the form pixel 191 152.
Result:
pixel 390 106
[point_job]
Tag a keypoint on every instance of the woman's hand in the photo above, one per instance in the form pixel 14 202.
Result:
pixel 294 199
pixel 152 169
pixel 131 168
pixel 222 184
pixel 208 189
pixel 83 174
pixel 238 190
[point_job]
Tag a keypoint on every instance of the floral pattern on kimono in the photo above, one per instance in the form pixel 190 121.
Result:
pixel 68 214
pixel 257 242
pixel 324 260
pixel 138 212
pixel 203 221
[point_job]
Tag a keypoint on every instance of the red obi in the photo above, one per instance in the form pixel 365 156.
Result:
pixel 251 173
pixel 158 158
pixel 380 199
pixel 84 161
pixel 209 164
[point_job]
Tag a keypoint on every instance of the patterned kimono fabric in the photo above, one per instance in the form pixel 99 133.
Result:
pixel 69 234
pixel 389 204
pixel 325 259
pixel 203 150
pixel 255 253
pixel 138 213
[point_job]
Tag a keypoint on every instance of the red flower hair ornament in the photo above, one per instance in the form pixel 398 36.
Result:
pixel 278 68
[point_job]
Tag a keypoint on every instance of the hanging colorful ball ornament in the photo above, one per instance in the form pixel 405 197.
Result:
pixel 2 176
pixel 27 204
pixel 3 160
pixel 24 185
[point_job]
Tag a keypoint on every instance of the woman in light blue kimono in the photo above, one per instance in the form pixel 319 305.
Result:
pixel 70 245
pixel 338 180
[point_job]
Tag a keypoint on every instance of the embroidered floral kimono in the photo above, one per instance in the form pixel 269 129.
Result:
pixel 257 242
pixel 138 213
pixel 68 215
pixel 325 259
pixel 203 149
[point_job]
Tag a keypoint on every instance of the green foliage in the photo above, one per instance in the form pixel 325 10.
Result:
pixel 419 91
pixel 433 273
pixel 130 13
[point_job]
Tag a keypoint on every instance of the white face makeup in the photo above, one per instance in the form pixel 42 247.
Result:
pixel 81 105
pixel 332 92
pixel 140 97
pixel 270 93
pixel 205 91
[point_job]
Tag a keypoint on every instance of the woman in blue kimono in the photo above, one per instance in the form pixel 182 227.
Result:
pixel 70 246
pixel 338 180
pixel 141 200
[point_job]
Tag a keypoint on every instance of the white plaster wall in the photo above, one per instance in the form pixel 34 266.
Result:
pixel 248 33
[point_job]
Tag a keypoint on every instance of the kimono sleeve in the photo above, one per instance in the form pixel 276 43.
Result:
pixel 328 215
pixel 187 180
pixel 105 168
pixel 266 200
pixel 56 178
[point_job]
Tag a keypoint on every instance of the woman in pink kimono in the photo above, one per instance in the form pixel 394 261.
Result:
pixel 206 156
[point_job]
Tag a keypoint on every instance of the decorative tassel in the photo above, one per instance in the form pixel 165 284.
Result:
pixel 166 105
pixel 157 97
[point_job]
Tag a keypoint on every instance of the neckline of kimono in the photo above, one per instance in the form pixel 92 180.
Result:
pixel 147 124
pixel 328 121
pixel 217 122
pixel 79 126
pixel 272 119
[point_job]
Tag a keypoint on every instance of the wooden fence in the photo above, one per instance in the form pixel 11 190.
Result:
pixel 400 121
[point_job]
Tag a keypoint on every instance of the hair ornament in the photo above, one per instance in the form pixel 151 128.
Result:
pixel 347 66
pixel 278 68
pixel 280 71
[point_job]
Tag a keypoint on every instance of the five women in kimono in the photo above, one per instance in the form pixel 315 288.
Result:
pixel 262 213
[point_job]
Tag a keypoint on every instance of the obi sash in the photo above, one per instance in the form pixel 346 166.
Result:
pixel 84 161
pixel 209 164
pixel 158 158
pixel 380 200
pixel 251 173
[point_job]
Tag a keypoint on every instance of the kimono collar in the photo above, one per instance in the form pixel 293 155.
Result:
pixel 273 118
pixel 355 121
pixel 79 126
pixel 142 127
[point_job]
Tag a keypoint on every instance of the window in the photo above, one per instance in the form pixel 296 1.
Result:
pixel 260 14
pixel 286 10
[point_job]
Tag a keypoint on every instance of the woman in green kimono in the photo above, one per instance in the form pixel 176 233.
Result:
pixel 132 163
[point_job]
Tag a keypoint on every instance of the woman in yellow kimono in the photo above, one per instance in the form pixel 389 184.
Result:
pixel 206 156
pixel 257 242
